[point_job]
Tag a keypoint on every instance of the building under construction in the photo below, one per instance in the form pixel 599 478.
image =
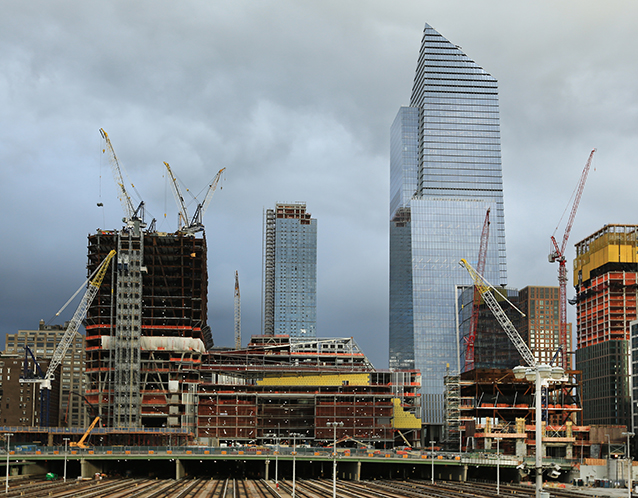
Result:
pixel 606 281
pixel 280 388
pixel 485 404
pixel 147 326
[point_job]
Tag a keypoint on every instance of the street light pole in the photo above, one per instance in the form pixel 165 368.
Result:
pixel 432 455
pixel 334 457
pixel 538 373
pixel 498 467
pixel 628 434
pixel 6 485
pixel 66 442
pixel 294 462
pixel 539 433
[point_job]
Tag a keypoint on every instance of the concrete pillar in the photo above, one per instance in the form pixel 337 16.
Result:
pixel 179 469
pixel 34 469
pixel 488 443
pixel 358 474
pixel 266 469
pixel 89 468
pixel 521 448
pixel 464 473
pixel 569 451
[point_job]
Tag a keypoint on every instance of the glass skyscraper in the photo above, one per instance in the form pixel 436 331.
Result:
pixel 445 174
pixel 290 271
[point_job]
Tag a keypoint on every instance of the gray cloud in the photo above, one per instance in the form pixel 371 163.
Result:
pixel 295 99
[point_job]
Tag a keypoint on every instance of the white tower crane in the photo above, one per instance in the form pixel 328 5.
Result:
pixel 196 222
pixel 130 214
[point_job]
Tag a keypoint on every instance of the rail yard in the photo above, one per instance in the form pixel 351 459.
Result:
pixel 245 488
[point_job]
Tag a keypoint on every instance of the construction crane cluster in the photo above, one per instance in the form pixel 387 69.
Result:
pixel 557 254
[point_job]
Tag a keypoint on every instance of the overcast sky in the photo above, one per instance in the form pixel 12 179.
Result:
pixel 295 99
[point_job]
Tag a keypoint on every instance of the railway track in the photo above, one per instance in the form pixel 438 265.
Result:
pixel 244 488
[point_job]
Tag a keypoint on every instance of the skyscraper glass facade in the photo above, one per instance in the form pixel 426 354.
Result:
pixel 445 174
pixel 290 271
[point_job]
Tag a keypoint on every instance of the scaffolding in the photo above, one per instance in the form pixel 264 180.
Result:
pixel 128 327
pixel 452 409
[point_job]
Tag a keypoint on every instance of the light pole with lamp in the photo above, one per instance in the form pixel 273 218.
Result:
pixel 498 466
pixel 534 372
pixel 66 442
pixel 432 455
pixel 540 374
pixel 628 434
pixel 6 485
pixel 277 457
pixel 294 460
pixel 334 457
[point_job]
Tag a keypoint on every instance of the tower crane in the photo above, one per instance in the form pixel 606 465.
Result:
pixel 483 287
pixel 237 313
pixel 469 350
pixel 558 254
pixel 179 198
pixel 66 341
pixel 196 222
pixel 130 213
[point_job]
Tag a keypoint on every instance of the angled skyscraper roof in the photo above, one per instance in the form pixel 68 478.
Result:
pixel 445 173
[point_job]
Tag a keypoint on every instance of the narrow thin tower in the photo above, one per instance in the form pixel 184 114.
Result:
pixel 237 313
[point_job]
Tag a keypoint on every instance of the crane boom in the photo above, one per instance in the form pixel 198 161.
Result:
pixel 67 339
pixel 179 198
pixel 197 221
pixel 558 254
pixel 469 351
pixel 237 313
pixel 125 199
pixel 484 287
pixel 76 321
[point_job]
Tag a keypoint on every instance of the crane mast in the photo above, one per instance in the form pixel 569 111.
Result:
pixel 484 287
pixel 558 254
pixel 469 351
pixel 237 313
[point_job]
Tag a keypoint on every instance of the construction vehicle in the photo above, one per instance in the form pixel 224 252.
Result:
pixel 80 443
pixel 558 254
pixel 196 222
pixel 469 349
pixel 66 341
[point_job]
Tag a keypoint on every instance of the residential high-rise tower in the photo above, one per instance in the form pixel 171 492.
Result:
pixel 290 271
pixel 445 173
pixel 606 282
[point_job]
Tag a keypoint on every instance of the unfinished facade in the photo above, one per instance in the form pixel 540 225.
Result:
pixel 279 387
pixel 146 327
pixel 493 404
pixel 606 278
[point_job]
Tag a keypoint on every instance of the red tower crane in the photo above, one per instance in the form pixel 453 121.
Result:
pixel 480 268
pixel 558 254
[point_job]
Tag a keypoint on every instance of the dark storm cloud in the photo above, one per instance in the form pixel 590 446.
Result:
pixel 295 99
